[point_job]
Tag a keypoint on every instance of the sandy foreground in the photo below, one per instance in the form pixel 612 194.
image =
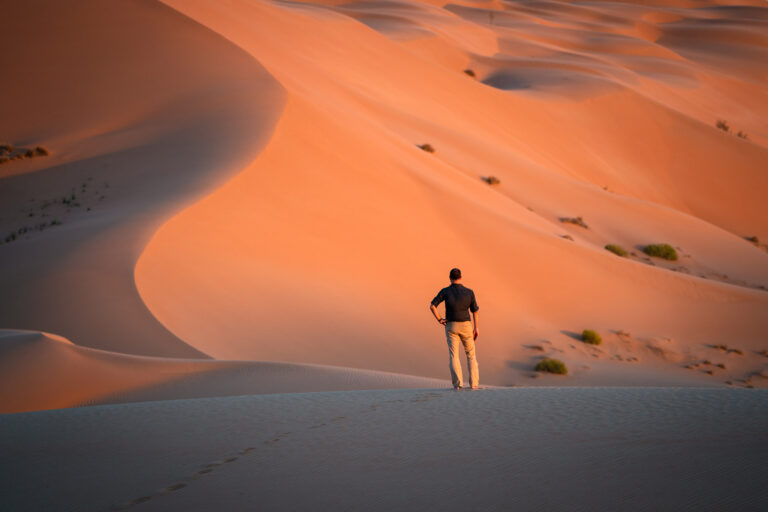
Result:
pixel 654 449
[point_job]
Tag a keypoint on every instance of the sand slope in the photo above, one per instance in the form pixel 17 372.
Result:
pixel 329 246
pixel 143 111
pixel 44 371
pixel 560 449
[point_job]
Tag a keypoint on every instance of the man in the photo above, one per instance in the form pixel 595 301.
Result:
pixel 458 300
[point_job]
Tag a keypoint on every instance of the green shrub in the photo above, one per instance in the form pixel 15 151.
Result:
pixel 665 251
pixel 617 250
pixel 551 366
pixel 591 337
pixel 427 147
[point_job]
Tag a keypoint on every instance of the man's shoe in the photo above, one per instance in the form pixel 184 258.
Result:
pixel 457 388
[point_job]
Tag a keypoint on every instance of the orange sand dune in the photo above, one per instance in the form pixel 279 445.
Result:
pixel 329 246
pixel 44 371
pixel 242 181
pixel 143 111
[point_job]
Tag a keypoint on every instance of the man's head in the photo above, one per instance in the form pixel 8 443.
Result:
pixel 455 275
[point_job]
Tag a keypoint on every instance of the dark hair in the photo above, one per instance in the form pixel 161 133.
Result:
pixel 455 274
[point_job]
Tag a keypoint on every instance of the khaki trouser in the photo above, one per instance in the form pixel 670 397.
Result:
pixel 455 332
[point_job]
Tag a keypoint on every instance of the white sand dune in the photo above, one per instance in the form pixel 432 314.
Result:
pixel 43 371
pixel 577 449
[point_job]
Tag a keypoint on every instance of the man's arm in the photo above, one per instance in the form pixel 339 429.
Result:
pixel 473 307
pixel 436 314
pixel 475 332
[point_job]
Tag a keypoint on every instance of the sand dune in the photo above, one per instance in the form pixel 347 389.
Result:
pixel 237 181
pixel 143 112
pixel 353 231
pixel 44 371
pixel 526 449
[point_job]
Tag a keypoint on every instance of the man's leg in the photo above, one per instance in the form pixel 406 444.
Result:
pixel 467 339
pixel 453 355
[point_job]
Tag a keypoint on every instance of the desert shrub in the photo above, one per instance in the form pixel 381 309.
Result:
pixel 723 125
pixel 574 220
pixel 720 365
pixel 3 160
pixel 591 337
pixel 567 237
pixel 491 180
pixel 617 250
pixel 41 151
pixel 427 147
pixel 742 135
pixel 665 251
pixel 469 72
pixel 29 153
pixel 551 366
pixel 753 239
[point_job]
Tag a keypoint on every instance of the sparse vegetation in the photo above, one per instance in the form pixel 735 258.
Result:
pixel 591 337
pixel 491 180
pixel 720 365
pixel 753 239
pixel 427 147
pixel 574 220
pixel 469 72
pixel 617 250
pixel 664 251
pixel 723 125
pixel 551 366
pixel 567 237
pixel 7 150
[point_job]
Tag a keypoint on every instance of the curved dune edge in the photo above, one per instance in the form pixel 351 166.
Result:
pixel 41 371
pixel 143 111
pixel 328 247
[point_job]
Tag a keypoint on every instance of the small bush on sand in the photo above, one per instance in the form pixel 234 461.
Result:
pixel 574 220
pixel 551 366
pixel 723 125
pixel 491 180
pixel 41 151
pixel 469 72
pixel 29 153
pixel 665 251
pixel 742 135
pixel 753 239
pixel 591 337
pixel 427 147
pixel 6 148
pixel 617 250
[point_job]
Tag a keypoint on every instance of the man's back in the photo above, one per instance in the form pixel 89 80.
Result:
pixel 459 300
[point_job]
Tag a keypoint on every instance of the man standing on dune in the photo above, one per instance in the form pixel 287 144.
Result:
pixel 458 300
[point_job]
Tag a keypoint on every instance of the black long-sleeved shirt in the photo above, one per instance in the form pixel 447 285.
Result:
pixel 458 300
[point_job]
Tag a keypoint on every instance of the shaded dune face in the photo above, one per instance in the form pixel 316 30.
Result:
pixel 328 247
pixel 143 111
